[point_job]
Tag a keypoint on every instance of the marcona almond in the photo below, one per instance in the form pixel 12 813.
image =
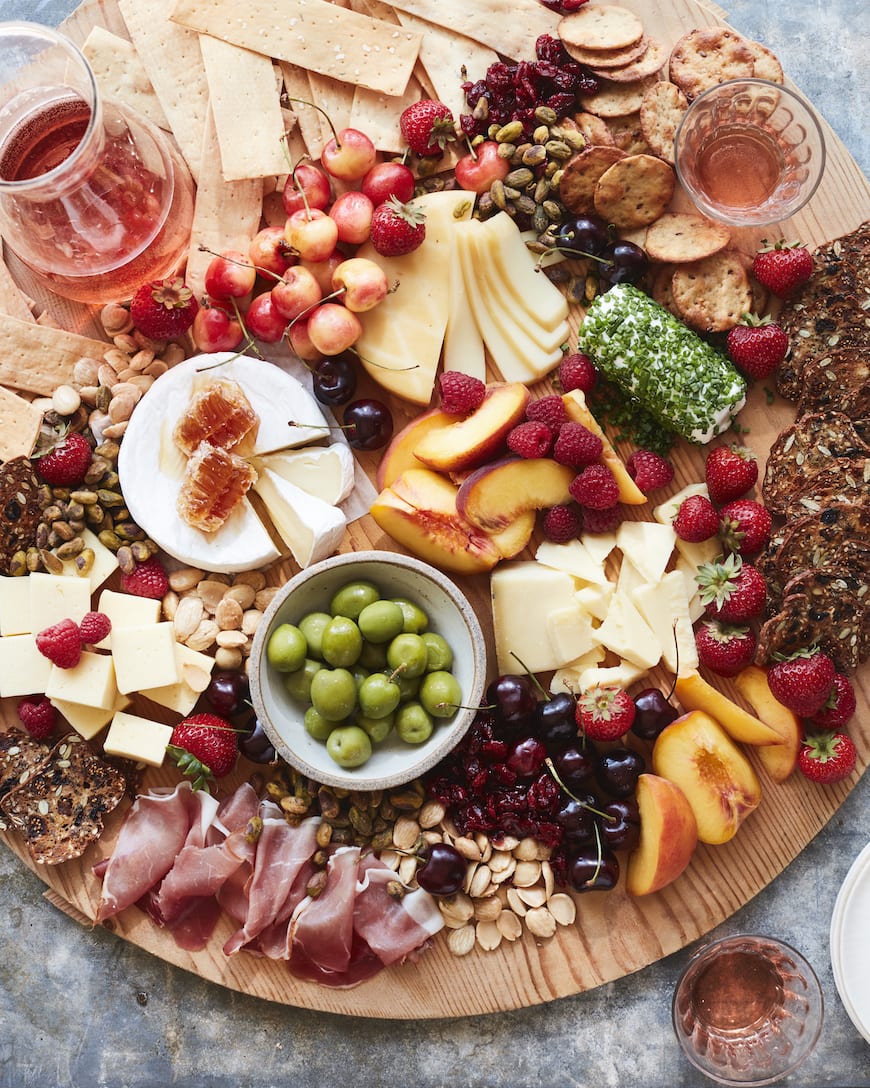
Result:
pixel 467 847
pixel 526 850
pixel 204 636
pixel 480 881
pixel 185 579
pixel 548 878
pixel 540 922
pixel 251 621
pixel 488 935
pixel 461 941
pixel 406 832
pixel 264 597
pixel 244 594
pixel 407 869
pixel 189 614
pixel 228 614
pixel 563 908
pixel 501 876
pixel 228 657
pixel 533 897
pixel 169 605
pixel 211 592
pixel 487 910
pixel 231 639
pixel 510 926
pixel 431 814
pixel 197 679
pixel 516 904
pixel 459 905
pixel 391 859
pixel 527 873
pixel 254 578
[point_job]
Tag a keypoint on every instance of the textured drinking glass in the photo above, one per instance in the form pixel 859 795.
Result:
pixel 747 1010
pixel 749 152
pixel 93 198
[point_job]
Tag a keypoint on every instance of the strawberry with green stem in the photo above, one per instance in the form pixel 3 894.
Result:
pixel 204 747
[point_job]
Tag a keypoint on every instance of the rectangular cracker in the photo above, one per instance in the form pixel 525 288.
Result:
pixel 334 96
pixel 121 75
pixel 226 214
pixel 509 29
pixel 296 86
pixel 173 61
pixel 246 108
pixel 13 301
pixel 314 34
pixel 37 359
pixel 19 425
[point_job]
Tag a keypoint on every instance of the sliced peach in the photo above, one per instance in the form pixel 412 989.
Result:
pixel 511 540
pixel 478 437
pixel 400 454
pixel 578 412
pixel 694 693
pixel 779 760
pixel 696 754
pixel 496 494
pixel 668 835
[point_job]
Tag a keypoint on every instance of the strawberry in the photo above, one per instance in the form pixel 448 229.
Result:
pixel 649 470
pixel 94 627
pixel 605 713
pixel 757 346
pixel 730 473
pixel 204 747
pixel 397 228
pixel 531 439
pixel 731 590
pixel 744 526
pixel 803 681
pixel 460 393
pixel 577 371
pixel 164 309
pixel 723 649
pixel 38 716
pixel 839 706
pixel 147 579
pixel 61 644
pixel 66 461
pixel 427 127
pixel 827 757
pixel 696 520
pixel 782 268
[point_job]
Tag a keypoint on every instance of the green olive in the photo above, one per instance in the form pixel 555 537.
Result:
pixel 298 684
pixel 316 725
pixel 286 648
pixel 352 598
pixel 409 686
pixel 378 695
pixel 373 656
pixel 416 619
pixel 349 746
pixel 440 653
pixel 413 724
pixel 378 729
pixel 312 627
pixel 381 621
pixel 341 642
pixel 333 693
pixel 440 694
pixel 408 653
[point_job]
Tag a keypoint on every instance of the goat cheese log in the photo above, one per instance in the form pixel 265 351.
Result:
pixel 682 381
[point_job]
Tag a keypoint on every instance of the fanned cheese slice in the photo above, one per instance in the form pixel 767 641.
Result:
pixel 311 528
pixel 531 290
pixel 463 344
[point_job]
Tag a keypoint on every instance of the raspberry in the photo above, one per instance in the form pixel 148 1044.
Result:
pixel 577 371
pixel 562 523
pixel 61 644
pixel 649 471
pixel 147 579
pixel 549 410
pixel 94 627
pixel 577 446
pixel 602 521
pixel 531 439
pixel 595 487
pixel 38 716
pixel 460 393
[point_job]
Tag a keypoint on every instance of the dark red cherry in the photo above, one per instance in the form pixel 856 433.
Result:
pixel 334 379
pixel 443 871
pixel 368 424
pixel 227 692
pixel 555 723
pixel 652 713
pixel 576 765
pixel 618 771
pixel 620 827
pixel 587 872
pixel 256 746
pixel 513 698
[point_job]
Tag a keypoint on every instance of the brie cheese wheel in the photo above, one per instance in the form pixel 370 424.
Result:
pixel 311 528
pixel 327 472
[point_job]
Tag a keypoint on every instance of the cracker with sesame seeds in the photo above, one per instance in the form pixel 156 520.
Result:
pixel 706 56
pixel 713 294
pixel 634 191
pixel 601 26
pixel 679 237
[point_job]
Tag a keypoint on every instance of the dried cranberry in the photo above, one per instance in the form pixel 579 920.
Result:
pixel 544 795
pixel 550 49
pixel 562 104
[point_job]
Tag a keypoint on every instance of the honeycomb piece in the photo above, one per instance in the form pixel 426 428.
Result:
pixel 214 483
pixel 219 414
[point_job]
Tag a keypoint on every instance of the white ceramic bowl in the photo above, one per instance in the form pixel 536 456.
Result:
pixel 393 762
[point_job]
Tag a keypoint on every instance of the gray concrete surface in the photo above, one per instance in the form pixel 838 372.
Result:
pixel 80 1009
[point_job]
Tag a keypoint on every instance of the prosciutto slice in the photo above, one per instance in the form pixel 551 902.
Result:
pixel 392 927
pixel 321 929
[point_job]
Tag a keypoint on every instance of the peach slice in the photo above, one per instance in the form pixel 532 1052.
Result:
pixel 400 454
pixel 779 760
pixel 668 835
pixel 478 437
pixel 696 754
pixel 496 494
pixel 578 412
pixel 694 693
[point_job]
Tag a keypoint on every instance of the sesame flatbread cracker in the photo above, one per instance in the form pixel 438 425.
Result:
pixel 765 62
pixel 37 359
pixel 678 237
pixel 13 301
pixel 120 74
pixel 298 89
pixel 315 35
pixel 511 30
pixel 661 111
pixel 707 56
pixel 654 58
pixel 336 97
pixel 616 99
pixel 19 425
pixel 634 191
pixel 605 59
pixel 601 26
pixel 580 176
pixel 173 61
pixel 713 294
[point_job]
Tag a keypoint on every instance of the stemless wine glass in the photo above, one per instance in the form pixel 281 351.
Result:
pixel 749 152
pixel 747 1010
pixel 93 198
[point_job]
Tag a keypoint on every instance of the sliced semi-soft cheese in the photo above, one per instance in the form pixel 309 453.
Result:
pixel 622 675
pixel 126 610
pixel 599 545
pixel 144 656
pixel 648 545
pixel 572 558
pixel 463 344
pixel 312 529
pixel 88 720
pixel 665 608
pixel 570 631
pixel 523 596
pixel 326 472
pixel 626 633
pixel 567 678
pixel 402 336
pixel 689 570
pixel 182 696
pixel 595 599
pixel 517 270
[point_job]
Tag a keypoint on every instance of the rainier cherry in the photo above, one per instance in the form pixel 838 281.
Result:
pixel 295 292
pixel 323 271
pixel 269 251
pixel 386 179
pixel 230 275
pixel 312 234
pixel 306 184
pixel 214 330
pixel 352 212
pixel 300 342
pixel 364 283
pixel 332 329
pixel 263 319
pixel 349 155
pixel 477 170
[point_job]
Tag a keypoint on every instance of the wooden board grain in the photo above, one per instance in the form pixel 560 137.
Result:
pixel 615 935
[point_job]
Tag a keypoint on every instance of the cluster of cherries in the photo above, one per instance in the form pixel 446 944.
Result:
pixel 613 260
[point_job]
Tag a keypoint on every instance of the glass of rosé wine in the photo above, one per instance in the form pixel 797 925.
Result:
pixel 747 1010
pixel 93 198
pixel 749 152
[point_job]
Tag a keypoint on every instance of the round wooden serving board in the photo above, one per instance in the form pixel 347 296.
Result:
pixel 614 934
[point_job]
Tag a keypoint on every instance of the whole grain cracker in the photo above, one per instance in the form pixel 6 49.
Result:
pixel 120 74
pixel 662 290
pixel 605 59
pixel 648 64
pixel 593 128
pixel 706 56
pixel 616 99
pixel 600 26
pixel 634 191
pixel 766 64
pixel 628 135
pixel 581 174
pixel 661 111
pixel 678 237
pixel 713 294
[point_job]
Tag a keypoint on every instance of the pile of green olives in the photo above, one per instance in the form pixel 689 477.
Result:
pixel 365 668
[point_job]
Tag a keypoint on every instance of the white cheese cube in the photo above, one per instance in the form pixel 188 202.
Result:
pixel 648 545
pixel 568 677
pixel 54 597
pixel 599 545
pixel 596 599
pixel 139 739
pixel 628 634
pixel 666 610
pixel 23 669
pixel 182 695
pixel 88 720
pixel 144 656
pixel 570 631
pixel 105 562
pixel 572 558
pixel 90 683
pixel 523 596
pixel 15 606
pixel 622 675
pixel 127 610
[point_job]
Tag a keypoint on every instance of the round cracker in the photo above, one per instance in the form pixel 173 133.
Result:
pixel 661 289
pixel 713 294
pixel 608 58
pixel 680 237
pixel 600 26
pixel 661 111
pixel 593 128
pixel 634 191
pixel 649 63
pixel 581 174
pixel 708 56
pixel 628 135
pixel 616 99
pixel 765 63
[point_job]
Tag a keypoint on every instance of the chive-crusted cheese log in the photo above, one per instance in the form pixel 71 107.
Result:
pixel 688 386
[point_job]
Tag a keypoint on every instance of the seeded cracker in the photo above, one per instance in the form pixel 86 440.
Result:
pixel 616 99
pixel 20 510
pixel 596 26
pixel 837 379
pixel 705 57
pixel 648 64
pixel 843 479
pixel 765 63
pixel 634 191
pixel 661 111
pixel 37 358
pixel 606 59
pixel 681 237
pixel 20 757
pixel 581 174
pixel 713 294
pixel 512 31
pixel 832 620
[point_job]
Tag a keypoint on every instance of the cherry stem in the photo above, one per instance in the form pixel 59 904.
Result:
pixel 319 109
pixel 242 264
pixel 589 808
pixel 544 694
